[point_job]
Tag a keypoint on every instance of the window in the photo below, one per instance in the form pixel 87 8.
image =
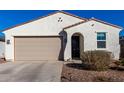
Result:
pixel 101 40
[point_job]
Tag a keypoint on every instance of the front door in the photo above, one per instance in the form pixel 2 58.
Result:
pixel 75 47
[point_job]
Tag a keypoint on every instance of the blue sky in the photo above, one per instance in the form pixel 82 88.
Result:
pixel 10 18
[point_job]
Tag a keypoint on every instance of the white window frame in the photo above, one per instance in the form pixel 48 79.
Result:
pixel 102 40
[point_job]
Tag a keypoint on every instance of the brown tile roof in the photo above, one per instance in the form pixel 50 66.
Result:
pixel 105 23
pixel 94 20
pixel 44 17
pixel 84 20
pixel 60 11
pixel 74 24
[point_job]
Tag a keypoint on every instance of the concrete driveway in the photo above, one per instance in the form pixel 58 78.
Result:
pixel 31 71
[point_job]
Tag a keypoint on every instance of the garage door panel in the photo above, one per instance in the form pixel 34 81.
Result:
pixel 38 48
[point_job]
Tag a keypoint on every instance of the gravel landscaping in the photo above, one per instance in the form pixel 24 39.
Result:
pixel 76 72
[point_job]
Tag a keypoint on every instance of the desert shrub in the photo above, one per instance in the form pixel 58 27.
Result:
pixel 96 60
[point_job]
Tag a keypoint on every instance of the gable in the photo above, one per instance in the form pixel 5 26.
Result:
pixel 68 18
pixel 95 21
pixel 46 25
pixel 91 27
pixel 105 23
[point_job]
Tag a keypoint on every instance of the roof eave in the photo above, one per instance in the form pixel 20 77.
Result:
pixel 106 23
pixel 59 11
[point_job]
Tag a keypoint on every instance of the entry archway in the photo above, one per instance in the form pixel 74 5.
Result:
pixel 77 45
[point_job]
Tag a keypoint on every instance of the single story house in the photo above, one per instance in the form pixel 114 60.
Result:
pixel 60 36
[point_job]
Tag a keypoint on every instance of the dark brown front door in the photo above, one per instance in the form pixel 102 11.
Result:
pixel 75 47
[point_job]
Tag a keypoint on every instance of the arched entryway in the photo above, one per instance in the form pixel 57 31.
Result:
pixel 77 43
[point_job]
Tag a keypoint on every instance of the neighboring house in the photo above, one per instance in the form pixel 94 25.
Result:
pixel 60 36
pixel 2 49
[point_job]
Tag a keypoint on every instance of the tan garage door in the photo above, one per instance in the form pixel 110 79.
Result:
pixel 38 48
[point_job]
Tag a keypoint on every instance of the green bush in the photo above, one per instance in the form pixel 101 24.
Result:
pixel 96 60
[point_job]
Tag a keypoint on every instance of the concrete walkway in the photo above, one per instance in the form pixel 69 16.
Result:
pixel 31 71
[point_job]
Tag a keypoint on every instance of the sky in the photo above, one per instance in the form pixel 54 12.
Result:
pixel 9 18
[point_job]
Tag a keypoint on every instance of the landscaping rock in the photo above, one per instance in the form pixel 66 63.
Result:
pixel 75 74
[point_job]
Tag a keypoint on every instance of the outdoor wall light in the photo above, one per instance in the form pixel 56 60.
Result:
pixel 8 42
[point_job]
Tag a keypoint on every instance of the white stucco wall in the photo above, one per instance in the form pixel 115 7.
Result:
pixel 2 48
pixel 46 26
pixel 90 37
